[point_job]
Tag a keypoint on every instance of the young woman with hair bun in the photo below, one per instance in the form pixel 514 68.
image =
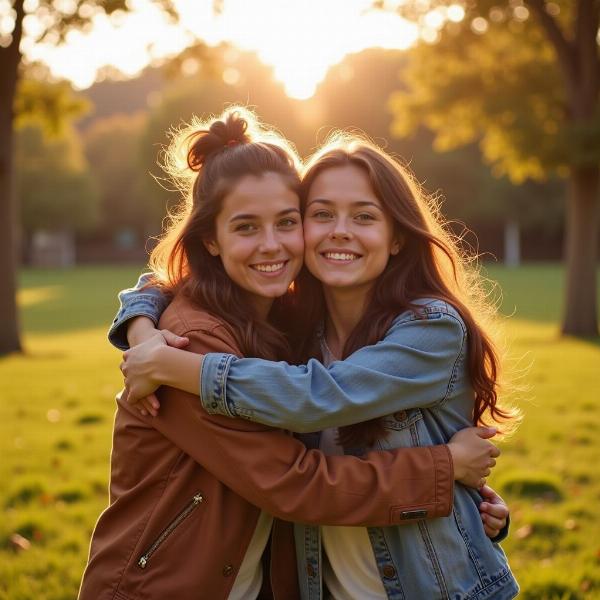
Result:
pixel 195 498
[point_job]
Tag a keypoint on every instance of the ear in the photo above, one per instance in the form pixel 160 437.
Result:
pixel 397 244
pixel 212 247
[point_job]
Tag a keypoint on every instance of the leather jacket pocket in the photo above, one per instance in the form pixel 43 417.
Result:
pixel 143 560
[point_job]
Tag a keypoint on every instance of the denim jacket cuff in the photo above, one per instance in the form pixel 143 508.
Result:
pixel 213 384
pixel 144 305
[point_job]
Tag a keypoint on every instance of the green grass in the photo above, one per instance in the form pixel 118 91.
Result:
pixel 57 404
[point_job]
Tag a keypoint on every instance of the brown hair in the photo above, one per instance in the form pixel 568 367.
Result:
pixel 206 160
pixel 430 265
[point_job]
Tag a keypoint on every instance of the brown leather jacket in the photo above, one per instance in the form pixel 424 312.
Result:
pixel 186 491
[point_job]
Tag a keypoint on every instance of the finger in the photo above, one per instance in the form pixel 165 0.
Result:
pixel 131 399
pixel 486 432
pixel 481 483
pixel 491 496
pixel 143 411
pixel 499 511
pixel 493 522
pixel 174 340
pixel 490 531
pixel 144 402
pixel 492 463
pixel 151 404
pixel 153 401
pixel 494 451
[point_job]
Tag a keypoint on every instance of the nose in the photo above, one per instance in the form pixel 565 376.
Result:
pixel 269 243
pixel 339 230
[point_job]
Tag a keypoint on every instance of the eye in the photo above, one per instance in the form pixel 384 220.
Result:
pixel 245 227
pixel 321 214
pixel 365 217
pixel 288 222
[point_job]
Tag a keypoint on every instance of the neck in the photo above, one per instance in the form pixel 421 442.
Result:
pixel 262 307
pixel 345 308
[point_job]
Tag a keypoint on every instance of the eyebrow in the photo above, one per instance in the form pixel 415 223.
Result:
pixel 249 216
pixel 357 203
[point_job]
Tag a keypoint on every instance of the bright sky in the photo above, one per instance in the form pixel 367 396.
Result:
pixel 300 40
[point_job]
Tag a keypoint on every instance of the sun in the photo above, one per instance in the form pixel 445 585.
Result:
pixel 302 40
pixel 299 40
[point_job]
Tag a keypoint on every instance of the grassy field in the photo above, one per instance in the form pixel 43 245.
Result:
pixel 56 407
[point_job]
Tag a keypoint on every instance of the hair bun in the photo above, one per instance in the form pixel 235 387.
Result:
pixel 220 135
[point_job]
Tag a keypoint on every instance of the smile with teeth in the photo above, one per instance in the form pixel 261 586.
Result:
pixel 341 256
pixel 269 267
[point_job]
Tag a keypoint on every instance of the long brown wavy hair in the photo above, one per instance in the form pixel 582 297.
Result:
pixel 431 264
pixel 206 160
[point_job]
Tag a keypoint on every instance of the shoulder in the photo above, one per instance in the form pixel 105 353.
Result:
pixel 431 309
pixel 207 332
pixel 432 320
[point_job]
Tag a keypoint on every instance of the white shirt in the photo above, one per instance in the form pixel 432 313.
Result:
pixel 249 578
pixel 350 570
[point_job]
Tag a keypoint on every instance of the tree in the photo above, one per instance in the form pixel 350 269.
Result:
pixel 60 18
pixel 55 187
pixel 112 147
pixel 522 78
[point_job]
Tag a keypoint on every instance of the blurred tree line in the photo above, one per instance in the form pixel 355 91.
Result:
pixel 101 180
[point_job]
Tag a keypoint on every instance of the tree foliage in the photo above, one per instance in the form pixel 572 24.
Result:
pixel 112 148
pixel 521 78
pixel 502 88
pixel 55 187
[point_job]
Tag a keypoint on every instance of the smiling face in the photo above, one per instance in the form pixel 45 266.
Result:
pixel 258 236
pixel 349 237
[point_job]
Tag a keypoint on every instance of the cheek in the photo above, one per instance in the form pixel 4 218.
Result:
pixel 311 236
pixel 296 243
pixel 235 253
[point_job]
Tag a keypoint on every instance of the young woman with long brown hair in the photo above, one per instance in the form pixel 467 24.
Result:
pixel 193 496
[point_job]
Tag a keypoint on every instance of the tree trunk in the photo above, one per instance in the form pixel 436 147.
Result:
pixel 580 317
pixel 9 63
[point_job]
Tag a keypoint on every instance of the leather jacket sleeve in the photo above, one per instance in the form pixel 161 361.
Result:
pixel 275 471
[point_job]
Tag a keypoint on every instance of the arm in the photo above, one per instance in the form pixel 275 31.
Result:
pixel 411 367
pixel 154 364
pixel 275 471
pixel 135 302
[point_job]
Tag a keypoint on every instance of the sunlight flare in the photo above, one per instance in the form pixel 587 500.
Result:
pixel 299 40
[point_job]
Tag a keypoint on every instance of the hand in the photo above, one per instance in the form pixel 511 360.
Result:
pixel 143 331
pixel 473 455
pixel 140 329
pixel 494 512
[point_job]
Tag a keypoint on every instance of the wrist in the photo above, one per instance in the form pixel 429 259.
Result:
pixel 140 329
pixel 162 357
pixel 457 467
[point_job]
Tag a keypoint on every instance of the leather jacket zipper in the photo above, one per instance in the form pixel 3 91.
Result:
pixel 168 530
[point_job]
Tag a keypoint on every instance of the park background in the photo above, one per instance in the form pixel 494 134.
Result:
pixel 474 96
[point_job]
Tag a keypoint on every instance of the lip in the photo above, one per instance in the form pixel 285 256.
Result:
pixel 340 251
pixel 267 263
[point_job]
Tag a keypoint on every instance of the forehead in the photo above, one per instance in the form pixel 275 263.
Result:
pixel 263 194
pixel 346 183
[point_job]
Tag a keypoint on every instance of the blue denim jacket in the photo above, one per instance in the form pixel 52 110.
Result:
pixel 136 302
pixel 416 378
